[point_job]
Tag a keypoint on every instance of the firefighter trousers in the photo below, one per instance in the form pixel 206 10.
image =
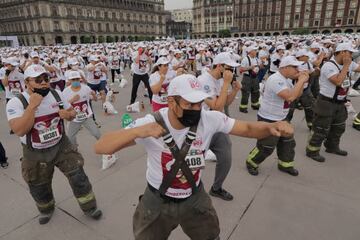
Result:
pixel 38 168
pixel 307 101
pixel 250 87
pixel 328 125
pixel 285 149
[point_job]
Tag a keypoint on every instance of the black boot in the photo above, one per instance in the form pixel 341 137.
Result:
pixel 243 110
pixel 44 218
pixel 315 156
pixel 289 170
pixel 336 151
pixel 357 127
pixel 252 170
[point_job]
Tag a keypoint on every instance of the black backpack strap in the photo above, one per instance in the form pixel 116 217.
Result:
pixel 337 90
pixel 178 154
pixel 61 106
pixel 25 105
pixel 57 98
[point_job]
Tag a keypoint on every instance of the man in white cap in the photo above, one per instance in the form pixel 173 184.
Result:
pixel 159 81
pixel 275 59
pixel 175 194
pixel 250 66
pixel 140 68
pixel 35 60
pixel 279 93
pixel 216 82
pixel 202 61
pixel 306 99
pixel 330 112
pixel 13 79
pixel 37 117
pixel 79 95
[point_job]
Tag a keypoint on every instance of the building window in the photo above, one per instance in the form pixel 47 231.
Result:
pixel 297 16
pixel 316 23
pixel 350 21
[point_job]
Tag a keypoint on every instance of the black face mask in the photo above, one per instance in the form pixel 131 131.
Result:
pixel 317 51
pixel 42 91
pixel 190 117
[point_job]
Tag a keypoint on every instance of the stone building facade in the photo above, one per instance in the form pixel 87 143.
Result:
pixel 48 22
pixel 275 17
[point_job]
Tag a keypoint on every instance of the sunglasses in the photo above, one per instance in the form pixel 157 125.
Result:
pixel 42 78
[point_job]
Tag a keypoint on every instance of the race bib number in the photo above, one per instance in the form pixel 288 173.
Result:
pixel 15 91
pixel 81 116
pixel 163 98
pixel 346 83
pixel 49 134
pixel 195 160
pixel 97 74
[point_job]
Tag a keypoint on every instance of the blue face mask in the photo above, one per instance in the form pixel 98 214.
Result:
pixel 76 84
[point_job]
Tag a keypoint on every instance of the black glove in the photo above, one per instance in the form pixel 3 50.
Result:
pixel 7 72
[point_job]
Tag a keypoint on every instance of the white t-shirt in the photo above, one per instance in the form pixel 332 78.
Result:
pixel 327 88
pixel 94 76
pixel 16 84
pixel 273 58
pixel 82 106
pixel 114 62
pixel 272 106
pixel 47 129
pixel 143 66
pixel 253 62
pixel 160 159
pixel 210 85
pixel 202 61
pixel 161 97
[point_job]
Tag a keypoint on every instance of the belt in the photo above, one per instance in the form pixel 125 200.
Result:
pixel 167 198
pixel 322 97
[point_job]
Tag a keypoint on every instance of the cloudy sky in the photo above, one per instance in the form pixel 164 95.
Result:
pixel 175 4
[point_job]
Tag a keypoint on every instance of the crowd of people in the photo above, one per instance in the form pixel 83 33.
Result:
pixel 190 85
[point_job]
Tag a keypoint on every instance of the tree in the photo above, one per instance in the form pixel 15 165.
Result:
pixel 301 31
pixel 101 39
pixel 109 39
pixel 225 33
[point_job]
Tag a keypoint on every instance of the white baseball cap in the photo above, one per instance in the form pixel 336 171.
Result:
pixel 12 61
pixel 72 61
pixel 93 58
pixel 73 75
pixel 302 52
pixel 187 87
pixel 225 58
pixel 163 52
pixel 315 45
pixel 251 48
pixel 280 47
pixel 289 61
pixel 345 47
pixel 34 70
pixel 34 54
pixel 162 61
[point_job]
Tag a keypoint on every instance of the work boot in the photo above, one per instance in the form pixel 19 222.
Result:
pixel 44 218
pixel 289 170
pixel 221 193
pixel 252 170
pixel 243 110
pixel 315 156
pixel 255 107
pixel 336 151
pixel 94 213
pixel 357 127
